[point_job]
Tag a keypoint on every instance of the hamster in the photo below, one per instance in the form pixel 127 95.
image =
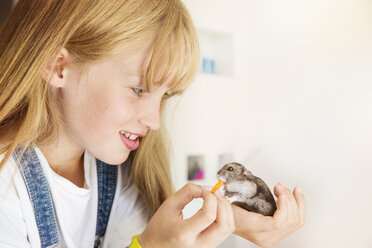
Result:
pixel 245 190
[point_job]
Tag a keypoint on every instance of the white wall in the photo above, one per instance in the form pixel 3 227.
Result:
pixel 298 109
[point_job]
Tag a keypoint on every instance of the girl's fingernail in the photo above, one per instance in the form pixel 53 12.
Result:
pixel 207 187
pixel 283 185
pixel 299 190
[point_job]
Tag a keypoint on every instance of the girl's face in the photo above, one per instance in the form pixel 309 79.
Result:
pixel 104 103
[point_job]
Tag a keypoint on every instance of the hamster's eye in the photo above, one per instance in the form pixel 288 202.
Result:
pixel 230 168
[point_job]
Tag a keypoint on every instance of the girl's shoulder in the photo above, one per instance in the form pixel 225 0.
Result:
pixel 7 172
pixel 13 228
pixel 8 191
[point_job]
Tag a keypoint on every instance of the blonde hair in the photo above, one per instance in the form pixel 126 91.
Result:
pixel 90 31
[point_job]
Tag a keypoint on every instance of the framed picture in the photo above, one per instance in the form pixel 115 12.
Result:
pixel 195 167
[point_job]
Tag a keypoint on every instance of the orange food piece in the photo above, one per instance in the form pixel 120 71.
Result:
pixel 217 186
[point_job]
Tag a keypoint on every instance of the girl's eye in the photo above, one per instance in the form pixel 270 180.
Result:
pixel 138 91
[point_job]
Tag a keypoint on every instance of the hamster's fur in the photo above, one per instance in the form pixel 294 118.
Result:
pixel 245 190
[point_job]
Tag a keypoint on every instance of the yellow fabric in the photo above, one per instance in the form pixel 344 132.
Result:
pixel 135 243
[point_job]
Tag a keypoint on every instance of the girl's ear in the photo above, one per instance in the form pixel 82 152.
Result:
pixel 55 70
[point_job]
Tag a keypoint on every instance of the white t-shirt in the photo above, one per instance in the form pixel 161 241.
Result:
pixel 76 208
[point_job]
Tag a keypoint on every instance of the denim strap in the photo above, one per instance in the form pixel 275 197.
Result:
pixel 38 191
pixel 107 176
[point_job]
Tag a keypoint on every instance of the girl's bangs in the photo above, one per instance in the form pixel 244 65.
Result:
pixel 174 61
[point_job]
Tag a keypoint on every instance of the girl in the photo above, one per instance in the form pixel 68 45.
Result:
pixel 84 155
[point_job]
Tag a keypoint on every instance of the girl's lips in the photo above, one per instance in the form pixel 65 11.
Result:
pixel 130 144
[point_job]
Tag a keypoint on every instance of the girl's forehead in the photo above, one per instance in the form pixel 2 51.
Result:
pixel 137 60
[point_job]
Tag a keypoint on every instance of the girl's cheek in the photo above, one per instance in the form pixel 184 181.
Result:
pixel 94 115
pixel 126 108
pixel 119 111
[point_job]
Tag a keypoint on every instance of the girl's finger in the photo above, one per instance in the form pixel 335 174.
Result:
pixel 182 197
pixel 277 191
pixel 222 227
pixel 301 203
pixel 205 216
pixel 231 213
pixel 225 217
pixel 281 214
pixel 293 213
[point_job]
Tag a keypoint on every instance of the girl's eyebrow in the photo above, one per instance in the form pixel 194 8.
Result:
pixel 135 77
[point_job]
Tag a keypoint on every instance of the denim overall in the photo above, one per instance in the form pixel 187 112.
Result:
pixel 41 200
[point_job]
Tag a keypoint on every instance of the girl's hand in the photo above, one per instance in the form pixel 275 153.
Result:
pixel 212 224
pixel 266 231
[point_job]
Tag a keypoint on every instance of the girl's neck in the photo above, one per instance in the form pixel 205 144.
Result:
pixel 66 159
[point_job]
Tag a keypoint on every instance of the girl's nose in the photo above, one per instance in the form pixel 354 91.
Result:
pixel 150 114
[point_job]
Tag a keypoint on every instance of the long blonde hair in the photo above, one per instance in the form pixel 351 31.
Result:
pixel 92 30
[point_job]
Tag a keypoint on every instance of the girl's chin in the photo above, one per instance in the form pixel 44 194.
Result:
pixel 120 158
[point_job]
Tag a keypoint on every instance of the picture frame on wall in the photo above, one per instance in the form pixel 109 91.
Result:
pixel 195 167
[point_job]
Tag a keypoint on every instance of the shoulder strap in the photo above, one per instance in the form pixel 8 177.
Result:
pixel 107 176
pixel 38 191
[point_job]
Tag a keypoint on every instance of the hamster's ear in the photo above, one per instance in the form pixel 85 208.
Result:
pixel 55 69
pixel 246 172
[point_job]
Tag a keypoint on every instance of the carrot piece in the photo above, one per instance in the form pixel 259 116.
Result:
pixel 217 186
